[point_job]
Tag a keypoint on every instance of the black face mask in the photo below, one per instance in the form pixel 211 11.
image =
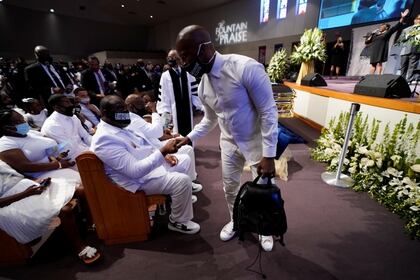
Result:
pixel 44 59
pixel 197 68
pixel 68 111
pixel 122 118
pixel 77 109
pixel 172 62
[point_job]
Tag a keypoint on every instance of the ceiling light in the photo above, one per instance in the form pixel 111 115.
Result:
pixel 52 10
pixel 122 5
pixel 151 16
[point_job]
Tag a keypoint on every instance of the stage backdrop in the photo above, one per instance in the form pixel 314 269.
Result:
pixel 359 65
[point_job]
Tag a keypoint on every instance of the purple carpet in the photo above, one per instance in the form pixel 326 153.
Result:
pixel 333 234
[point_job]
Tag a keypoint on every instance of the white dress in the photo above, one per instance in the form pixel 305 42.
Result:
pixel 37 120
pixel 29 218
pixel 37 148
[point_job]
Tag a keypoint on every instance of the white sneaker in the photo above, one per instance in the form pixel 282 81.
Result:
pixel 188 228
pixel 196 187
pixel 227 232
pixel 266 242
pixel 193 199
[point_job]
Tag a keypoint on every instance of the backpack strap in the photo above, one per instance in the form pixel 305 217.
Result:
pixel 241 235
pixel 235 208
pixel 281 240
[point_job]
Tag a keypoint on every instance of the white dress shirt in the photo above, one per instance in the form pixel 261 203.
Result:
pixel 65 129
pixel 167 103
pixel 237 95
pixel 152 130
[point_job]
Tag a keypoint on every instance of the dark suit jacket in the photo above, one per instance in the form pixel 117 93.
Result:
pixel 39 83
pixel 89 82
pixel 140 80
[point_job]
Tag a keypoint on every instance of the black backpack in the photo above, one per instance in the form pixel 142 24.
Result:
pixel 259 208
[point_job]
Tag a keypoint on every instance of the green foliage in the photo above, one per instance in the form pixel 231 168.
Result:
pixel 389 169
pixel 311 47
pixel 279 66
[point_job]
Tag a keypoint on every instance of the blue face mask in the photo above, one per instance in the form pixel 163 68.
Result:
pixel 22 128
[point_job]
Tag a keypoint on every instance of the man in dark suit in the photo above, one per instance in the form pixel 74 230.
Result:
pixel 96 80
pixel 42 78
pixel 139 78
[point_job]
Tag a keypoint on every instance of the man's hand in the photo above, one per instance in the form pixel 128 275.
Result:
pixel 266 167
pixel 63 155
pixel 151 107
pixel 182 141
pixel 169 148
pixel 171 160
pixel 405 13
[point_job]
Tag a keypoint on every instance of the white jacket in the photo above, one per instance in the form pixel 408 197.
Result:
pixel 167 103
pixel 237 95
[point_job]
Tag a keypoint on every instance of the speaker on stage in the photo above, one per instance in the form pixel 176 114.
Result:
pixel 386 85
pixel 313 80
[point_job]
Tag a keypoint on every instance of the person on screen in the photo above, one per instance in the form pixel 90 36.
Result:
pixel 379 41
pixel 370 11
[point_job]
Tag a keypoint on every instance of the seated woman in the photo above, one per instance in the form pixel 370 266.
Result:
pixel 35 113
pixel 27 209
pixel 31 154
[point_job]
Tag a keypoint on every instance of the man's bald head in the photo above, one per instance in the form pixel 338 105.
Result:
pixel 114 111
pixel 194 34
pixel 136 104
pixel 110 102
pixel 193 45
pixel 42 54
pixel 134 99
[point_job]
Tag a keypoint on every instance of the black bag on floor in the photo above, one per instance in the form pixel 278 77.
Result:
pixel 259 208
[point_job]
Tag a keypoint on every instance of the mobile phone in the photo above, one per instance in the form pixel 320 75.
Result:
pixel 45 183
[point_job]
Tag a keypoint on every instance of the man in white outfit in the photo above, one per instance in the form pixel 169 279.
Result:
pixel 64 127
pixel 153 131
pixel 178 93
pixel 237 95
pixel 136 165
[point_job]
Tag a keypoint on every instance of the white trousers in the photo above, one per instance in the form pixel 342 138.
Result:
pixel 233 163
pixel 187 151
pixel 178 187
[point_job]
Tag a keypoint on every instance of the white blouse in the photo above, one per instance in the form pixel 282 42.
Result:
pixel 34 146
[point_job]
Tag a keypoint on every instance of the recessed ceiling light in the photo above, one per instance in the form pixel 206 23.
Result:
pixel 122 5
pixel 52 10
pixel 2 1
pixel 151 16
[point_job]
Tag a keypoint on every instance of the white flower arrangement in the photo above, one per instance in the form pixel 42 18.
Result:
pixel 388 170
pixel 311 47
pixel 414 36
pixel 278 66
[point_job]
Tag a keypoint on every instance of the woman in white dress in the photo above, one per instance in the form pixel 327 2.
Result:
pixel 28 208
pixel 31 154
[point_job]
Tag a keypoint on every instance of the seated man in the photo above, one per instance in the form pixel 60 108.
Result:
pixel 153 131
pixel 88 110
pixel 64 127
pixel 136 165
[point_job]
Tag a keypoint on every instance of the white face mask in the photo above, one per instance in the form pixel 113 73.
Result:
pixel 85 100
